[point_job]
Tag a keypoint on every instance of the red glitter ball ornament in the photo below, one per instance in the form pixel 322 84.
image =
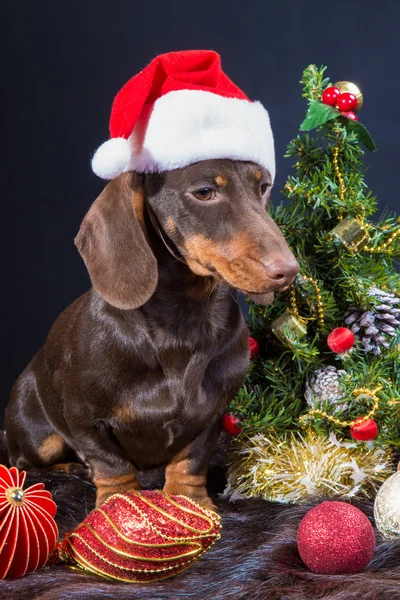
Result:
pixel 350 115
pixel 346 102
pixel 141 537
pixel 28 532
pixel 335 538
pixel 230 424
pixel 254 347
pixel 340 340
pixel 330 95
pixel 364 429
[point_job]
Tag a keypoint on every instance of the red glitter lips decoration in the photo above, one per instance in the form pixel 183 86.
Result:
pixel 28 532
pixel 141 537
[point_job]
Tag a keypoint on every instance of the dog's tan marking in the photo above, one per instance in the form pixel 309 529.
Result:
pixel 221 181
pixel 52 448
pixel 180 480
pixel 107 486
pixel 171 227
pixel 237 260
pixel 258 175
pixel 123 413
pixel 138 205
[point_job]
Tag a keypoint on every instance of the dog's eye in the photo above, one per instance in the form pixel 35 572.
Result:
pixel 204 194
pixel 264 188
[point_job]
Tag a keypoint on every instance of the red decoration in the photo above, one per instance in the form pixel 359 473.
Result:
pixel 254 347
pixel 330 95
pixel 364 429
pixel 350 115
pixel 346 102
pixel 28 532
pixel 230 424
pixel 335 538
pixel 141 537
pixel 340 340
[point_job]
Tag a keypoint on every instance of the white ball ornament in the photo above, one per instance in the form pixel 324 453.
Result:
pixel 387 507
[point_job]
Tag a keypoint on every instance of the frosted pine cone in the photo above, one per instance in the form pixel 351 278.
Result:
pixel 324 385
pixel 375 327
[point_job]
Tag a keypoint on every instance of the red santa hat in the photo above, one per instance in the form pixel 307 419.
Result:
pixel 181 109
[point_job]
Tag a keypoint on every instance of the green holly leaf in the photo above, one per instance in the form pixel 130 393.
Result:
pixel 318 114
pixel 362 133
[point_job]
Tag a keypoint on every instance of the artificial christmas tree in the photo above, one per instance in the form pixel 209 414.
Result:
pixel 327 373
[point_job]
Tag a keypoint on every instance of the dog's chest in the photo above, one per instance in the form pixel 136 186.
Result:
pixel 181 387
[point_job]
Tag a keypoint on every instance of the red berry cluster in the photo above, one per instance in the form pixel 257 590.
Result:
pixel 345 102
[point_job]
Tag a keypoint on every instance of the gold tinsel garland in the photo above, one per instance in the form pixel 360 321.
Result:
pixel 302 466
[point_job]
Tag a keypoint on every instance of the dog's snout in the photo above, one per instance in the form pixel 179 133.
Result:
pixel 281 272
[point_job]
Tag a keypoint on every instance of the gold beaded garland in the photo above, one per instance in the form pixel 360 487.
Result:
pixel 357 392
pixel 320 306
pixel 353 232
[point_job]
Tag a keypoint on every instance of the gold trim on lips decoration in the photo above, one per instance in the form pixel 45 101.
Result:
pixel 101 544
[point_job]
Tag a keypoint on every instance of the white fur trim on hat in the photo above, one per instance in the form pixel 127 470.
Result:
pixel 112 158
pixel 188 126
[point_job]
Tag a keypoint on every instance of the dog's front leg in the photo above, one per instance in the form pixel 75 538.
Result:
pixel 186 473
pixel 110 471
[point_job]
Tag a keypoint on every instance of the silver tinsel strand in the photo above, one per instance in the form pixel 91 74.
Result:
pixel 373 328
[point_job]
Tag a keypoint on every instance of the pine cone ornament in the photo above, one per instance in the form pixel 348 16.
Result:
pixel 324 385
pixel 373 328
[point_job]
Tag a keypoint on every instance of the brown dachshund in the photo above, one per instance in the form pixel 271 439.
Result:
pixel 139 371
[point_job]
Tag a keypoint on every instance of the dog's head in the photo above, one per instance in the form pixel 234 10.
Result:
pixel 213 212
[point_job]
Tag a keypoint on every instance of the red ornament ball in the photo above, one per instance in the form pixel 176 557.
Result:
pixel 140 537
pixel 350 115
pixel 364 429
pixel 330 95
pixel 346 102
pixel 340 340
pixel 335 538
pixel 230 424
pixel 254 347
pixel 28 532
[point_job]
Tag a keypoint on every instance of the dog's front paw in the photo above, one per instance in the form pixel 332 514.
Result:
pixel 108 486
pixel 198 494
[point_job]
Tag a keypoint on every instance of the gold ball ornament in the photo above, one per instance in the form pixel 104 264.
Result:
pixel 387 507
pixel 351 88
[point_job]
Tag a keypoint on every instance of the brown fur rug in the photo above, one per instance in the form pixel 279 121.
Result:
pixel 256 557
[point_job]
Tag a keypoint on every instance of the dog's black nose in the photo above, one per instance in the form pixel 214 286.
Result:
pixel 281 273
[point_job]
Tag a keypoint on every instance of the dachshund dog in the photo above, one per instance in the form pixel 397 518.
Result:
pixel 138 372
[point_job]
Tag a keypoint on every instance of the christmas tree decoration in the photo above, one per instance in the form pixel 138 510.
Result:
pixel 301 280
pixel 364 429
pixel 372 327
pixel 254 348
pixel 352 233
pixel 346 102
pixel 230 424
pixel 324 386
pixel 387 507
pixel 28 532
pixel 350 115
pixel 335 538
pixel 286 325
pixel 298 396
pixel 352 88
pixel 298 467
pixel 141 537
pixel 340 340
pixel 330 95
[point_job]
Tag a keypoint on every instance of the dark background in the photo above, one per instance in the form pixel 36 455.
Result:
pixel 67 59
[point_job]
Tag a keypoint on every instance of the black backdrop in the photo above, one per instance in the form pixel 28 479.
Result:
pixel 66 60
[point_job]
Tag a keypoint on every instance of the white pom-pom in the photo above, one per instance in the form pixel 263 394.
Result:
pixel 112 158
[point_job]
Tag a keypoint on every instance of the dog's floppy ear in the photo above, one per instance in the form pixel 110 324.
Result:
pixel 112 242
